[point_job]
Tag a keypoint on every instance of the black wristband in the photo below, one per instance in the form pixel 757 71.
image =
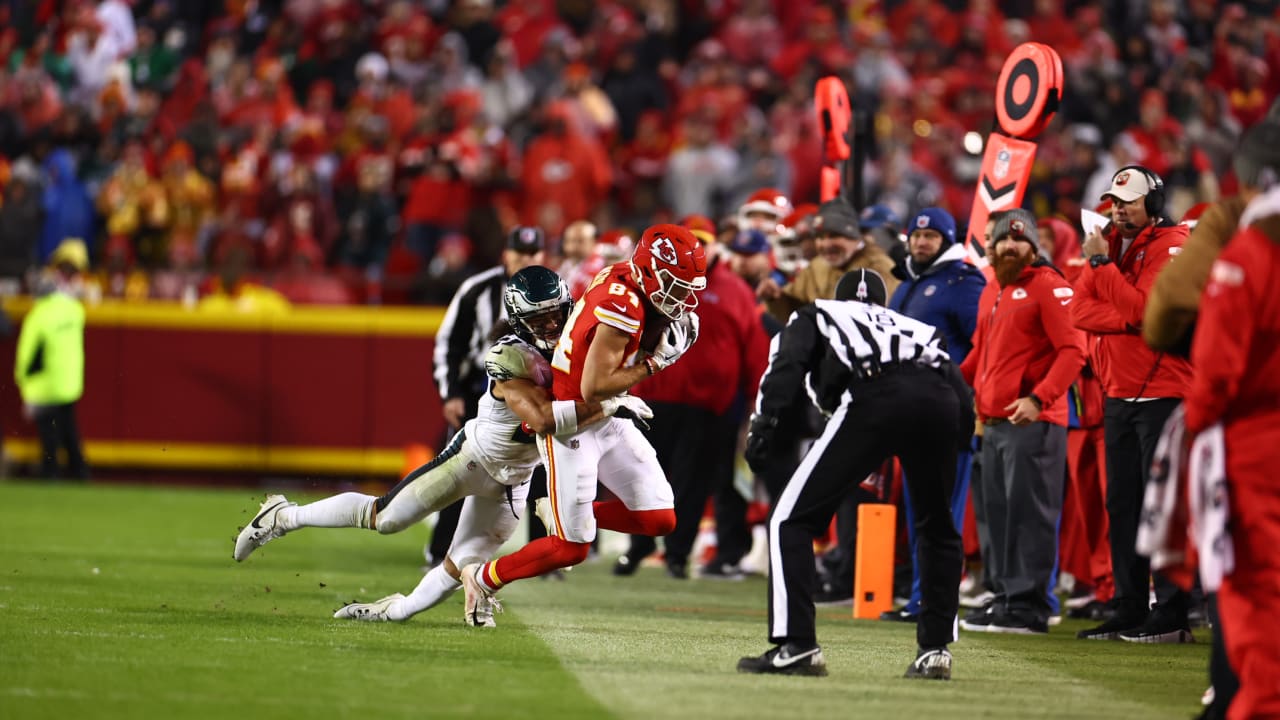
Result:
pixel 1099 260
pixel 1036 399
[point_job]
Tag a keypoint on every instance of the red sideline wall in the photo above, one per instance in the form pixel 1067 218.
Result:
pixel 319 390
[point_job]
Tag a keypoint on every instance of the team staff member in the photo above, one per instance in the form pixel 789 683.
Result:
pixel 1236 382
pixel 888 389
pixel 1142 387
pixel 1025 354
pixel 465 335
pixel 941 289
pixel 49 367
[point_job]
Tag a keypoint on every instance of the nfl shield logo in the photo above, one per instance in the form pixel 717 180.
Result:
pixel 1001 167
pixel 574 444
pixel 930 290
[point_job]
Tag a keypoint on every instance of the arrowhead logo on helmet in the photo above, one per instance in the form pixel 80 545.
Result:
pixel 670 265
pixel 665 251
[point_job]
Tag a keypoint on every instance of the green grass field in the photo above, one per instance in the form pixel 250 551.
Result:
pixel 124 602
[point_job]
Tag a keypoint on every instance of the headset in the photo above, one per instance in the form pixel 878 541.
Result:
pixel 1154 199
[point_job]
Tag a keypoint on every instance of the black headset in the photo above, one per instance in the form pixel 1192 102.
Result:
pixel 1154 199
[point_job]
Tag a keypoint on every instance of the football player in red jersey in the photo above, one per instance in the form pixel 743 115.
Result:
pixel 635 319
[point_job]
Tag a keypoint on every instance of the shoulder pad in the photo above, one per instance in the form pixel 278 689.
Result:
pixel 512 358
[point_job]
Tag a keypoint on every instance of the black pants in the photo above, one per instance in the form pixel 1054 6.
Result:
pixel 914 414
pixel 1132 430
pixel 695 448
pixel 58 431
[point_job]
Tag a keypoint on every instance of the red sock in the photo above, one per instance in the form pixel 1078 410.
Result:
pixel 614 515
pixel 536 558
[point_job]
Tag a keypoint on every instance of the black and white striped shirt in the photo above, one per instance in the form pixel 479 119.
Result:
pixel 827 346
pixel 465 334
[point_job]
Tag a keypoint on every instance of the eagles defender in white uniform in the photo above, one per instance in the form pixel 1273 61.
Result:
pixel 489 461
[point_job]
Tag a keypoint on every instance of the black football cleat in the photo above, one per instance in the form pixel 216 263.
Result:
pixel 788 659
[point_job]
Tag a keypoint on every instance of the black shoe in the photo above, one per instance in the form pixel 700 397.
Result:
pixel 721 570
pixel 899 615
pixel 678 570
pixel 932 664
pixel 1162 626
pixel 625 567
pixel 1018 623
pixel 789 659
pixel 1111 629
pixel 1094 610
pixel 980 619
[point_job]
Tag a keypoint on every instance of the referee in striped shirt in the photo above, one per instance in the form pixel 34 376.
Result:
pixel 887 387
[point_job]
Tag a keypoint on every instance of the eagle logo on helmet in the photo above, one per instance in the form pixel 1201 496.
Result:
pixel 664 250
pixel 1122 178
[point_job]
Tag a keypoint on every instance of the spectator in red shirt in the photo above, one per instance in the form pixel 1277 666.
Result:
pixel 566 173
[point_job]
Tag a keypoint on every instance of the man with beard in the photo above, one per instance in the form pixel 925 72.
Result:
pixel 840 249
pixel 1026 352
pixel 1142 389
pixel 940 289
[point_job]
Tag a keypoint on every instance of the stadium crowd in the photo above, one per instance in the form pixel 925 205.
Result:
pixel 377 151
pixel 334 151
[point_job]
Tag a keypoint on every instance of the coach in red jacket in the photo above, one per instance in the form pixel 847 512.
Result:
pixel 697 411
pixel 1026 353
pixel 1142 387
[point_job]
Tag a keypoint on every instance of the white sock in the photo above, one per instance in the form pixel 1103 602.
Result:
pixel 434 587
pixel 345 510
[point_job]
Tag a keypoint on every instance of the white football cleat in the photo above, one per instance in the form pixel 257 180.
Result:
pixel 480 604
pixel 263 528
pixel 375 611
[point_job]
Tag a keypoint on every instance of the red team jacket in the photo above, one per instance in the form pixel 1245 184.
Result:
pixel 611 299
pixel 1025 343
pixel 1109 305
pixel 730 355
pixel 1236 351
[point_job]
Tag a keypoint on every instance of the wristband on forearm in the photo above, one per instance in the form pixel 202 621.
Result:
pixel 565 413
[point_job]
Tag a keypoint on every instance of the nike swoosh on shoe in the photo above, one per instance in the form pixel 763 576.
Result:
pixel 264 512
pixel 793 659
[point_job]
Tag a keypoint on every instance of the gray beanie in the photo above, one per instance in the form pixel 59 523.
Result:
pixel 837 217
pixel 1257 159
pixel 1019 223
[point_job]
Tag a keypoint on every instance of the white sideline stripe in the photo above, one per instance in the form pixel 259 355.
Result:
pixel 778 626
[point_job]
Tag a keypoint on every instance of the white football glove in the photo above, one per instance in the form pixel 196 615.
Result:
pixel 676 340
pixel 629 407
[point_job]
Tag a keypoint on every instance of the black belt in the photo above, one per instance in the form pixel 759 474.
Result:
pixel 876 372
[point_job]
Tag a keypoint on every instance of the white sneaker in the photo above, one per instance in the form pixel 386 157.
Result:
pixel 480 604
pixel 372 612
pixel 263 528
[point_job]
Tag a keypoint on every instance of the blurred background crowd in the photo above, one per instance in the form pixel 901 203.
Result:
pixel 348 151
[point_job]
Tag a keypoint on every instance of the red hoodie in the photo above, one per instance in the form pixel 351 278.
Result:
pixel 730 355
pixel 1110 303
pixel 1025 344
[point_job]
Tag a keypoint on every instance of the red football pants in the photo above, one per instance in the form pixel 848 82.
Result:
pixel 1249 600
pixel 1084 549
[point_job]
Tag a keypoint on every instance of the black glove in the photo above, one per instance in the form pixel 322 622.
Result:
pixel 759 441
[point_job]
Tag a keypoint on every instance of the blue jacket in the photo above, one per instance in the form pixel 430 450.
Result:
pixel 68 209
pixel 945 295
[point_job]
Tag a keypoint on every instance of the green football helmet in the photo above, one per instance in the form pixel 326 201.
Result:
pixel 538 305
